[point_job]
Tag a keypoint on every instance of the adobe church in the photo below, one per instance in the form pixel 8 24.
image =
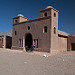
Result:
pixel 42 32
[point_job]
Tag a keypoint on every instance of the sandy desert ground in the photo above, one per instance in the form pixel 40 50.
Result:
pixel 13 62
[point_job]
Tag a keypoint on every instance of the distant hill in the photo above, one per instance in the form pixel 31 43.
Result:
pixel 7 33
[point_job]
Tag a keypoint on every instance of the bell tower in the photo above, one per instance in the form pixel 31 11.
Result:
pixel 51 12
pixel 54 30
pixel 19 18
pixel 46 12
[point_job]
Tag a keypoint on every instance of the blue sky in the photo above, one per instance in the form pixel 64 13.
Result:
pixel 31 10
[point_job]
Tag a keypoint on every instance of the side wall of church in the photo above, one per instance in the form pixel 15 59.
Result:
pixel 62 44
pixel 71 43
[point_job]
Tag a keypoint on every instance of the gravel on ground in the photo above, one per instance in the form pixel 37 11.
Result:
pixel 14 62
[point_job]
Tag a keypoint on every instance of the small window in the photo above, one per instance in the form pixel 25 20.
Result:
pixel 45 29
pixel 15 21
pixel 45 14
pixel 54 14
pixel 54 30
pixel 15 33
pixel 28 27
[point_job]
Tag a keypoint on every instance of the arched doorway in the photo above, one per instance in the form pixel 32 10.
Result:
pixel 28 41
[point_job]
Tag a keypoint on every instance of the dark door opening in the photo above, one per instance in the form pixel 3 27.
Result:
pixel 73 46
pixel 28 41
pixel 1 43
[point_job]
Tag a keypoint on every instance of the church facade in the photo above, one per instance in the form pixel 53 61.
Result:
pixel 42 32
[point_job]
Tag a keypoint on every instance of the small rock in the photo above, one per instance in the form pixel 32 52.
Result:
pixel 25 62
pixel 63 59
pixel 45 55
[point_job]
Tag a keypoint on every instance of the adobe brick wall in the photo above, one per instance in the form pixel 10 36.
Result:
pixel 36 30
pixel 62 44
pixel 46 41
pixel 71 39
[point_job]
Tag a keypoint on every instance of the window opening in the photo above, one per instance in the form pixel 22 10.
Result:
pixel 54 30
pixel 45 29
pixel 54 14
pixel 28 27
pixel 15 21
pixel 45 14
pixel 15 33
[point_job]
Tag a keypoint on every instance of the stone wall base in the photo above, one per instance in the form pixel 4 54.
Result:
pixel 35 49
pixel 55 51
pixel 16 48
pixel 58 51
pixel 42 50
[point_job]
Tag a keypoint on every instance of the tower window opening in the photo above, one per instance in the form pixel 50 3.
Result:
pixel 45 29
pixel 54 14
pixel 15 21
pixel 45 14
pixel 15 33
pixel 54 30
